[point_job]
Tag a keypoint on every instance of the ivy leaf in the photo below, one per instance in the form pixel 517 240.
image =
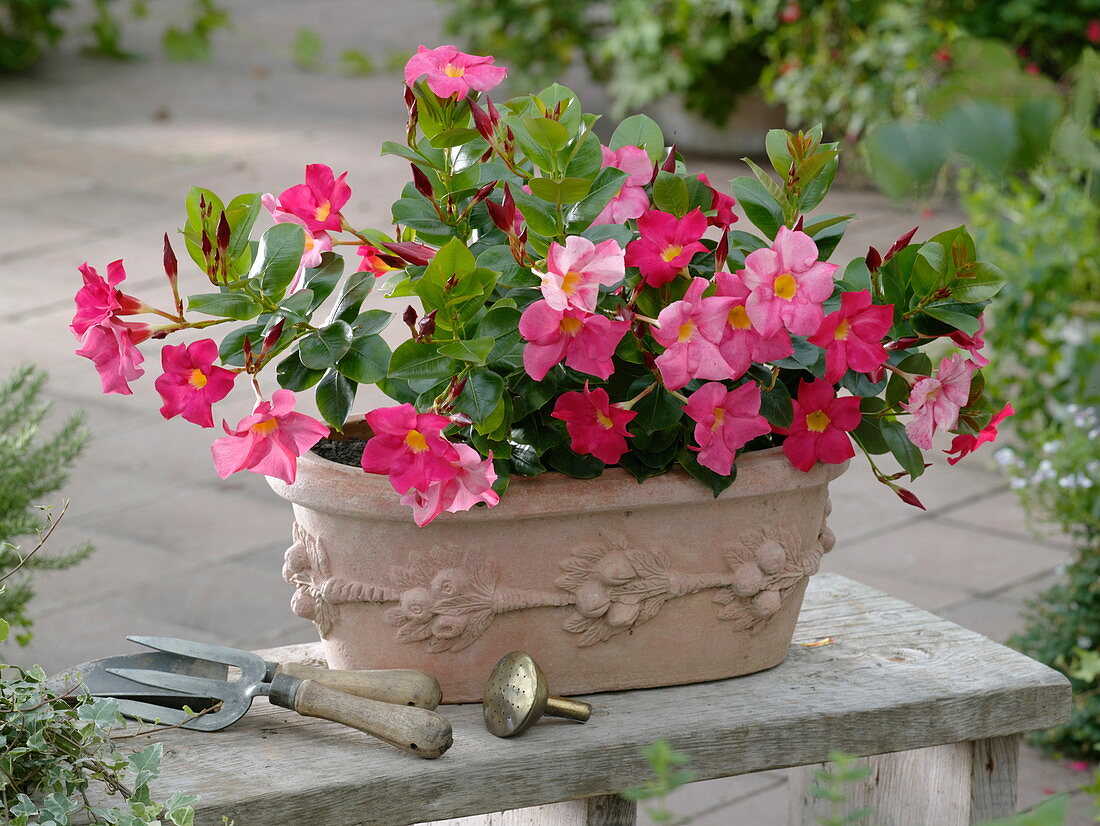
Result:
pixel 146 764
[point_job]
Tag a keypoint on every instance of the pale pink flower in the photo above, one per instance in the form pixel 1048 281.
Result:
pixel 111 345
pixel 934 402
pixel 191 382
pixel 409 448
pixel 269 441
pixel 595 426
pixel 471 484
pixel 586 341
pixel 973 344
pixel 575 272
pixel 451 73
pixel 788 285
pixel 725 421
pixel 690 330
pixel 742 343
pixel 631 201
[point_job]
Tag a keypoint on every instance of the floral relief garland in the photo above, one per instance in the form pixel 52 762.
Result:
pixel 449 597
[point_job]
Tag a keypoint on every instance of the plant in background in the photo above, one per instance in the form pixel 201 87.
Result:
pixel 27 28
pixel 668 775
pixel 573 314
pixel 31 469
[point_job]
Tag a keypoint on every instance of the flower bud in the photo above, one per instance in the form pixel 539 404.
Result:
pixel 224 234
pixel 409 317
pixel 426 326
pixel 873 259
pixel 421 182
pixel 900 244
pixel 909 498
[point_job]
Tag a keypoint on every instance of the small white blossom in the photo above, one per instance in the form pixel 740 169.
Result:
pixel 1052 447
pixel 1005 456
pixel 1017 484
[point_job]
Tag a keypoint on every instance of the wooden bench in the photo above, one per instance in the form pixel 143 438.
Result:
pixel 944 707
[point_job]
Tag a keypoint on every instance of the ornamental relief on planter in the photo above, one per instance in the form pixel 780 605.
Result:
pixel 448 597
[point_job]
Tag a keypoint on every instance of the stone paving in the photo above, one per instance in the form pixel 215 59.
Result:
pixel 95 158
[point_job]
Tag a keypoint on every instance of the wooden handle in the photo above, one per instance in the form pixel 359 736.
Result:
pixel 415 730
pixel 402 686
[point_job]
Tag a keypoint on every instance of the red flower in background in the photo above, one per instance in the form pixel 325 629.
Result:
pixel 965 444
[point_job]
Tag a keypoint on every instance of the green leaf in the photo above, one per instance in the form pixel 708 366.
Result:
pixel 324 278
pixel 475 351
pixel 960 321
pixel 856 276
pixel 540 216
pixel 564 460
pixel 984 133
pixel 713 481
pixel 776 407
pixel 225 305
pixel 984 282
pixel 421 360
pixel 370 322
pixel 815 191
pixel 905 156
pixel 670 194
pixel 278 258
pixel 367 359
pixel 356 288
pixel 481 395
pixel 929 269
pixel 241 215
pixel 293 375
pixel 760 207
pixel 909 456
pixel 586 158
pixel 547 133
pixel 297 306
pixel 775 144
pixel 567 191
pixel 4 630
pixel 418 214
pixel 335 395
pixel 322 349
pixel 641 131
pixel 605 187
pixel 657 411
pixel 768 182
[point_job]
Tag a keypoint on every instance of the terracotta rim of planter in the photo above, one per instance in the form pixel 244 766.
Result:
pixel 758 473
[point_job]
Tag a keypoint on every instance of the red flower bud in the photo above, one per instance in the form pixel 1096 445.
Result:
pixel 426 326
pixel 873 259
pixel 669 164
pixel 272 337
pixel 461 419
pixel 171 266
pixel 900 244
pixel 483 193
pixel 909 498
pixel 421 182
pixel 206 245
pixel 409 317
pixel 410 251
pixel 721 251
pixel 224 234
pixel 799 224
pixel 483 123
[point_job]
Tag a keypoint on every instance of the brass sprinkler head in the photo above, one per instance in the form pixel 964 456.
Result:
pixel 516 697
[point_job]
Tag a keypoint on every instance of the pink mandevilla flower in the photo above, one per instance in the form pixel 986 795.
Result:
pixel 595 426
pixel 191 382
pixel 631 200
pixel 935 402
pixel 852 336
pixel 973 344
pixel 788 285
pixel 725 421
pixel 667 244
pixel 691 331
pixel 100 299
pixel 742 343
pixel 269 441
pixel 409 448
pixel 964 444
pixel 316 243
pixel 575 272
pixel 819 430
pixel 316 203
pixel 112 347
pixel 472 483
pixel 722 204
pixel 451 73
pixel 585 340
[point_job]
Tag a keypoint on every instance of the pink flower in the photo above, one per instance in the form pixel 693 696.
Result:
pixel 409 448
pixel 819 431
pixel 973 344
pixel 1092 30
pixel 586 341
pixel 631 200
pixel 667 244
pixel 594 425
pixel 691 331
pixel 472 483
pixel 936 402
pixel 112 347
pixel 788 285
pixel 575 272
pixel 451 73
pixel 722 204
pixel 315 242
pixel 191 382
pixel 316 203
pixel 742 343
pixel 99 300
pixel 269 441
pixel 965 444
pixel 852 336
pixel 372 262
pixel 725 421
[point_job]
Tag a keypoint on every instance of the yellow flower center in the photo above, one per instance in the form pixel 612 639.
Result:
pixel 670 253
pixel 310 241
pixel 687 330
pixel 817 421
pixel 738 318
pixel 570 281
pixel 841 333
pixel 719 417
pixel 450 70
pixel 265 427
pixel 604 421
pixel 571 326
pixel 785 287
pixel 197 379
pixel 323 211
pixel 415 441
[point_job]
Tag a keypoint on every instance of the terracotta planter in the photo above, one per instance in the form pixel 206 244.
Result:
pixel 607 583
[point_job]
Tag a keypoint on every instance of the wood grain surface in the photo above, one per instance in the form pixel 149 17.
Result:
pixel 895 678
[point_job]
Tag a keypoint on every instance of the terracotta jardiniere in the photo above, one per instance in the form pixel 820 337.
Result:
pixel 608 584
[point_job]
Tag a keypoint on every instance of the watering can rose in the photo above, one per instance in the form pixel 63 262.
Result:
pixel 569 305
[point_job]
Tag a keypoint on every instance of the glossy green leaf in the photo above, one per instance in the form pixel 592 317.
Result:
pixel 547 133
pixel 335 395
pixel 689 461
pixel 293 375
pixel 371 322
pixel 641 131
pixel 760 207
pixel 322 349
pixel 909 456
pixel 475 351
pixel 278 258
pixel 225 305
pixel 324 278
pixel 567 191
pixel 367 359
pixel 421 360
pixel 670 194
pixel 968 324
pixel 606 186
pixel 481 395
pixel 981 284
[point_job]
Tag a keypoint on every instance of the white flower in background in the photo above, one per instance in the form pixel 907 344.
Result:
pixel 1052 447
pixel 1006 457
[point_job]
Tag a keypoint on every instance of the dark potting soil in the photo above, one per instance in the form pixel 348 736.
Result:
pixel 344 451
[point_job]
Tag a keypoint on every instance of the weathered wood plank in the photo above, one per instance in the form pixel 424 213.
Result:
pixel 993 771
pixel 897 678
pixel 604 810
